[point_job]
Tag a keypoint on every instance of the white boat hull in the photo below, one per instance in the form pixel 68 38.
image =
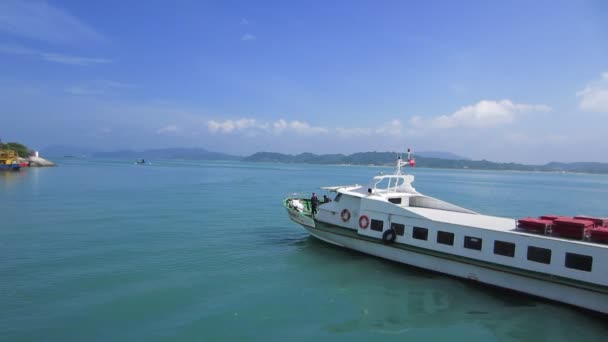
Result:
pixel 588 299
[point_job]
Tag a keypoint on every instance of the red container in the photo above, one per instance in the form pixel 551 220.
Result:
pixel 572 222
pixel 599 222
pixel 572 228
pixel 534 225
pixel 599 234
pixel 552 217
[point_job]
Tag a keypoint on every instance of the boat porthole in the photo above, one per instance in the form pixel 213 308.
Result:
pixel 345 215
pixel 363 221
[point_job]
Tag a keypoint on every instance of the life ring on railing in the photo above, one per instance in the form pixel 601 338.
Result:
pixel 389 236
pixel 345 215
pixel 363 221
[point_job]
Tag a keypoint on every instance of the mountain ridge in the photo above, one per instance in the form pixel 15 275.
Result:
pixel 388 159
pixel 423 159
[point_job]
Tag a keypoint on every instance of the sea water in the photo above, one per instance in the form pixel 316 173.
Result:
pixel 98 250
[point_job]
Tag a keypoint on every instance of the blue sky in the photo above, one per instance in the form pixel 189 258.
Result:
pixel 523 81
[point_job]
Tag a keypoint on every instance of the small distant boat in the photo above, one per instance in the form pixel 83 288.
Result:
pixel 142 162
pixel 9 161
pixel 555 257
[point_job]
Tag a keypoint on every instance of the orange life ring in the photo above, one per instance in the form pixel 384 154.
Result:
pixel 363 221
pixel 345 215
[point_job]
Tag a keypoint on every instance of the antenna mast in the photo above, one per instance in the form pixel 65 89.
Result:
pixel 410 161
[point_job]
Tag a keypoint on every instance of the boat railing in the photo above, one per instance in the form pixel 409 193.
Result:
pixel 337 187
pixel 298 195
pixel 298 203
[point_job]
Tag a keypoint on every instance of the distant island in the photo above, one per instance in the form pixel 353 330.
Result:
pixel 168 153
pixel 443 160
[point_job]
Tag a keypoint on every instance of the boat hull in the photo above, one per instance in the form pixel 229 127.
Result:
pixel 10 167
pixel 585 298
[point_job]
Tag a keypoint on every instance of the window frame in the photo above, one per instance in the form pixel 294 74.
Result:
pixel 470 243
pixel 578 258
pixel 504 245
pixel 441 233
pixel 534 254
pixel 418 230
pixel 371 225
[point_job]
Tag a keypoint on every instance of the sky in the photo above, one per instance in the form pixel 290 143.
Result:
pixel 522 81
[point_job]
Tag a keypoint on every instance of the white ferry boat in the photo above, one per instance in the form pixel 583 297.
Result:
pixel 554 257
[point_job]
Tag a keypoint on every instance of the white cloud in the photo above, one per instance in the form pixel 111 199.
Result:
pixel 169 129
pixel 353 131
pixel 98 87
pixel 282 126
pixel 229 126
pixel 248 37
pixel 16 50
pixel 485 113
pixel 390 128
pixel 297 126
pixel 53 57
pixel 73 60
pixel 279 126
pixel 41 21
pixel 249 126
pixel 538 138
pixel 594 98
pixel 83 90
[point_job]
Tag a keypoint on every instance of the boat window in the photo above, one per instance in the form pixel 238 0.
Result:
pixel 472 243
pixel 537 254
pixel 504 248
pixel 420 233
pixel 579 261
pixel 445 238
pixel 382 184
pixel 395 200
pixel 399 228
pixel 337 199
pixel 377 225
pixel 389 183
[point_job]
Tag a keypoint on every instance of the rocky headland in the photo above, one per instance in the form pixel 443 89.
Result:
pixel 34 161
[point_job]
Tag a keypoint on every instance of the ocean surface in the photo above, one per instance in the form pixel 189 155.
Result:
pixel 101 250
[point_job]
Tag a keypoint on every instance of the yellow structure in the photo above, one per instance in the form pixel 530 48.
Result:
pixel 8 157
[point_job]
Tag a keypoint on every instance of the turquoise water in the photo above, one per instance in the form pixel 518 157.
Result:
pixel 203 251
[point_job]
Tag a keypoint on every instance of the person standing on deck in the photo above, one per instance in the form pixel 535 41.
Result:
pixel 314 203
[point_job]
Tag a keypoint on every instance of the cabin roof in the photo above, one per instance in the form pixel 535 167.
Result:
pixel 466 219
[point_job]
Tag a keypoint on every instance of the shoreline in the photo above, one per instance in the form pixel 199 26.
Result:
pixel 436 168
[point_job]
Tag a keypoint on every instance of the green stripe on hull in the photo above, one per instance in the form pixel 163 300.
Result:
pixel 334 229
